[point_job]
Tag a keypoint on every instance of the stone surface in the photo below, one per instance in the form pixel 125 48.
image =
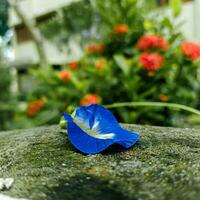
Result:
pixel 165 164
pixel 5 197
pixel 6 183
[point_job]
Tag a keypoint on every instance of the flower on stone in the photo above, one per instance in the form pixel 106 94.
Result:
pixel 152 41
pixel 64 75
pixel 191 50
pixel 93 129
pixel 151 61
pixel 90 99
pixel 120 29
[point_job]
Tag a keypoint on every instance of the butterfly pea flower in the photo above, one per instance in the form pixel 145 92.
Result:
pixel 93 128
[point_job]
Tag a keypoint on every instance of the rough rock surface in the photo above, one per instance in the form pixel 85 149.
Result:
pixel 165 164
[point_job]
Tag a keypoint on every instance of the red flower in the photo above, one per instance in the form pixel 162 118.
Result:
pixel 191 50
pixel 34 107
pixel 150 74
pixel 90 99
pixel 73 65
pixel 151 61
pixel 64 75
pixel 121 28
pixel 163 97
pixel 152 41
pixel 96 48
pixel 100 64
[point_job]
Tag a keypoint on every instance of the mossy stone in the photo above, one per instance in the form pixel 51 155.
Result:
pixel 164 164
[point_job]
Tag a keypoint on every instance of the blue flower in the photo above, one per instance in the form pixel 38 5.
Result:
pixel 93 128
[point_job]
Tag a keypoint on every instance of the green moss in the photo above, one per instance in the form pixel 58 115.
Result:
pixel 165 164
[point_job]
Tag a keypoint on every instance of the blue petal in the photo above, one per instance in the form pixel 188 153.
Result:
pixel 95 115
pixel 94 129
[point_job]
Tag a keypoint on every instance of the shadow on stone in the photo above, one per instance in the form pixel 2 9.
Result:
pixel 86 187
pixel 113 149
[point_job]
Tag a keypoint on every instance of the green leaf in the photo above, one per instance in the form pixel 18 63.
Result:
pixel 45 116
pixel 121 62
pixel 194 121
pixel 175 6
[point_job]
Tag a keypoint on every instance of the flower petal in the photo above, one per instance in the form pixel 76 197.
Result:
pixel 96 116
pixel 83 141
pixel 94 129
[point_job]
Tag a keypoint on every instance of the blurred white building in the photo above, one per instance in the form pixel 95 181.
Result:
pixel 25 51
pixel 189 17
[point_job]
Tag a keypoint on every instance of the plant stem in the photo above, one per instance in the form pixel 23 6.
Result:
pixel 154 104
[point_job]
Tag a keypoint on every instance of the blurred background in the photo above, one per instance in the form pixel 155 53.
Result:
pixel 56 55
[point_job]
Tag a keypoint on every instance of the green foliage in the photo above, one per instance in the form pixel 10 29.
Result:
pixel 67 22
pixel 115 72
pixel 3 16
pixel 92 18
pixel 6 110
pixel 176 6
